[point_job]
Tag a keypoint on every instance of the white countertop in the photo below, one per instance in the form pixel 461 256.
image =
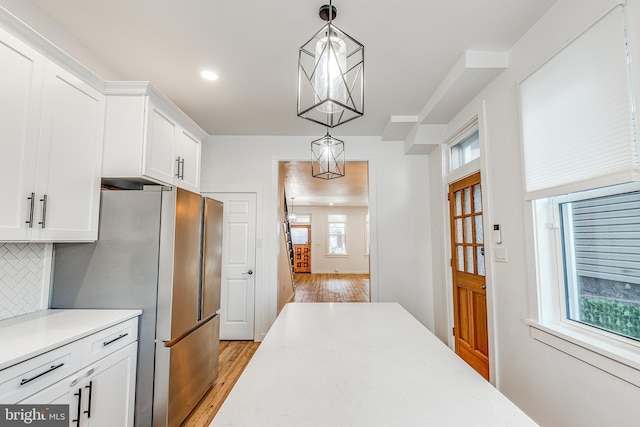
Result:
pixel 25 336
pixel 361 365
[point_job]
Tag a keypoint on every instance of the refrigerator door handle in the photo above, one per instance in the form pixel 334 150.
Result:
pixel 179 338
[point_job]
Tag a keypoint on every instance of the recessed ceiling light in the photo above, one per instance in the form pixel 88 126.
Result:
pixel 209 75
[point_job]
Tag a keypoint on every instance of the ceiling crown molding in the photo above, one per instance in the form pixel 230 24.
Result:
pixel 18 28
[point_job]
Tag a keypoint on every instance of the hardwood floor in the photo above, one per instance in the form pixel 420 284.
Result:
pixel 235 355
pixel 331 288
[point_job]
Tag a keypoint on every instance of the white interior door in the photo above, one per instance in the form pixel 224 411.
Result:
pixel 238 265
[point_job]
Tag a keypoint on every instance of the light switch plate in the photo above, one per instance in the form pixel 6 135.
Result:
pixel 500 254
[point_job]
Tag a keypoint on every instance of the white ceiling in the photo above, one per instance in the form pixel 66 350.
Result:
pixel 410 47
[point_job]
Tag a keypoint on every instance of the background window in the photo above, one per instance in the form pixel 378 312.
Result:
pixel 601 257
pixel 337 234
pixel 304 218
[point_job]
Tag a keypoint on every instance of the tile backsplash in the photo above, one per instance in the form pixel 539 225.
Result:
pixel 24 278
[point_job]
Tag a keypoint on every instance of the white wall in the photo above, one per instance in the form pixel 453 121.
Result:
pixel 440 253
pixel 356 261
pixel 552 387
pixel 399 215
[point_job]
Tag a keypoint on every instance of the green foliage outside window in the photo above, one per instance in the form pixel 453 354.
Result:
pixel 612 316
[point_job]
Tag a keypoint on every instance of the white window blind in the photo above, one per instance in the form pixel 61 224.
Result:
pixel 577 118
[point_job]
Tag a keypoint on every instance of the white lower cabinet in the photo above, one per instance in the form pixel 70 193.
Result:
pixel 102 394
pixel 92 369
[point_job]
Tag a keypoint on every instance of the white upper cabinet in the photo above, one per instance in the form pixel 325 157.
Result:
pixel 188 159
pixel 149 138
pixel 21 88
pixel 159 146
pixel 70 159
pixel 51 134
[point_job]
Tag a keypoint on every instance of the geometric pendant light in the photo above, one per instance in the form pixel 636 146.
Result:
pixel 330 75
pixel 327 157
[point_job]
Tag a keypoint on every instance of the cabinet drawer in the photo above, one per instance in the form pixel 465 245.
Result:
pixel 100 344
pixel 22 380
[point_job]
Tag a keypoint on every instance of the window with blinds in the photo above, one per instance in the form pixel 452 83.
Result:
pixel 578 128
pixel 601 254
pixel 581 159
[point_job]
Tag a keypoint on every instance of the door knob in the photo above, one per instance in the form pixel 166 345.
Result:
pixel 483 287
pixel 250 272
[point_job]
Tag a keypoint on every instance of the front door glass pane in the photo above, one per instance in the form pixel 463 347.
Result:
pixel 467 200
pixel 470 259
pixel 477 198
pixel 300 235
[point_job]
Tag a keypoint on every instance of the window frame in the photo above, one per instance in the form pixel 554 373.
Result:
pixel 302 219
pixel 459 141
pixel 471 167
pixel 346 225
pixel 548 322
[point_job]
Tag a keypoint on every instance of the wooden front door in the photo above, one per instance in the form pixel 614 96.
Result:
pixel 469 284
pixel 301 239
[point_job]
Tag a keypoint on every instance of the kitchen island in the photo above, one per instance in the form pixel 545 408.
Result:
pixel 360 364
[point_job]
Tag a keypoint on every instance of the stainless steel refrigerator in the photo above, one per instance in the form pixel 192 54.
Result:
pixel 159 250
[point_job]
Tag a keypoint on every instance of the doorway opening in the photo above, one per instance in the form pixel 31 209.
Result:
pixel 328 226
pixel 301 241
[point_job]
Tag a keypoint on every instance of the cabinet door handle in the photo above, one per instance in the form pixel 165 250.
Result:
pixel 78 410
pixel 178 167
pixel 32 202
pixel 106 343
pixel 43 223
pixel 51 369
pixel 90 387
pixel 182 173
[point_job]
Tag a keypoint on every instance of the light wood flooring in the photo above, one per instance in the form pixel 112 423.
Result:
pixel 331 287
pixel 235 355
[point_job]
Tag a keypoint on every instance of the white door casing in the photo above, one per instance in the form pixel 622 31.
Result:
pixel 238 265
